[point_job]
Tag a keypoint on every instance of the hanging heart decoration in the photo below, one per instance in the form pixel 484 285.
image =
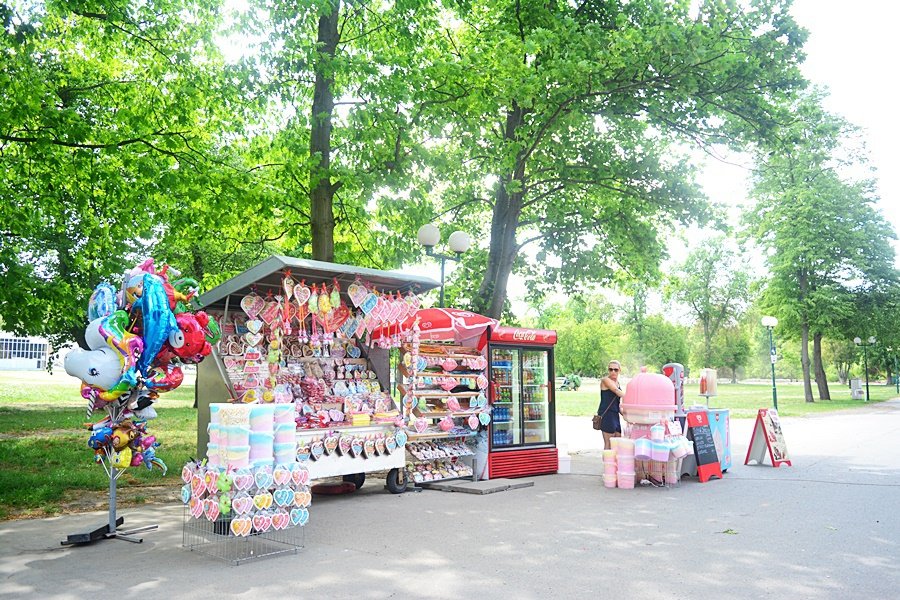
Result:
pixel 334 319
pixel 317 449
pixel 253 339
pixel 448 384
pixel 473 422
pixel 252 304
pixel 344 445
pixel 313 302
pixel 301 293
pixel 262 522
pixel 211 508
pixel 331 443
pixel 401 437
pixel 198 485
pixel 187 473
pixel 484 418
pixel 380 445
pixel 449 364
pixel 196 507
pixel 242 504
pixel 453 404
pixel 212 480
pixel 299 516
pixel 299 474
pixel 357 293
pixel 421 425
pixel 287 284
pixel 445 424
pixel 360 326
pixel 413 301
pixel 254 325
pixel 369 448
pixel 263 478
pixel 482 382
pixel 369 303
pixel 243 479
pixel 390 443
pixel 356 447
pixel 270 313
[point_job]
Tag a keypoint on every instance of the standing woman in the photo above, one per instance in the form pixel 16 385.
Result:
pixel 610 392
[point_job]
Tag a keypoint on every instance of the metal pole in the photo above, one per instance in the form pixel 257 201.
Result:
pixel 896 374
pixel 866 367
pixel 772 359
pixel 443 259
pixel 112 500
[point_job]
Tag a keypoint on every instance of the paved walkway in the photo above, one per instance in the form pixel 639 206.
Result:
pixel 828 527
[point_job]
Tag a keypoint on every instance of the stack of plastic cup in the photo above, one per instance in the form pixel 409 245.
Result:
pixel 657 433
pixel 642 448
pixel 625 461
pixel 625 480
pixel 609 468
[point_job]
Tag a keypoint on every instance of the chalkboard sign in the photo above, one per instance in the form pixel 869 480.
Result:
pixel 704 446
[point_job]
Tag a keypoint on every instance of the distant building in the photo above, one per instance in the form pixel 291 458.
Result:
pixel 23 353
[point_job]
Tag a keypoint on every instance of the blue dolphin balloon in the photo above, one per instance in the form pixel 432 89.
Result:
pixel 158 320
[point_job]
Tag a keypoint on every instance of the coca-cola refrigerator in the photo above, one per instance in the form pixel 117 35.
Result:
pixel 522 438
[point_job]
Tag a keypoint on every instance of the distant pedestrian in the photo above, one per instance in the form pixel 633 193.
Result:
pixel 610 393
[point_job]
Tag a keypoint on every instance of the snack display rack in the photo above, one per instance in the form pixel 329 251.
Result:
pixel 444 389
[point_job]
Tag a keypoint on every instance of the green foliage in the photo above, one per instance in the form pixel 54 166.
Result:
pixel 663 343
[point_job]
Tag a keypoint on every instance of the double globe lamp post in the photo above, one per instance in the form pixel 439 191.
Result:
pixel 865 347
pixel 770 323
pixel 458 242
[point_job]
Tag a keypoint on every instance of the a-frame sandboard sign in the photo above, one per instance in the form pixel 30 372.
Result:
pixel 768 437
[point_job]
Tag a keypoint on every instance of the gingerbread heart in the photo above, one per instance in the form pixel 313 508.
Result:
pixel 280 520
pixel 263 500
pixel 287 284
pixel 401 438
pixel 303 452
pixel 331 443
pixel 484 418
pixel 354 352
pixel 242 504
pixel 379 445
pixel 254 325
pixel 299 516
pixel 369 448
pixel 369 303
pixel 251 367
pixel 230 363
pixel 317 449
pixel 357 293
pixel 360 330
pixel 337 317
pixel 262 522
pixel 253 339
pixel 252 304
pixel 270 312
pixel 356 447
pixel 390 444
pixel 421 425
pixel 241 526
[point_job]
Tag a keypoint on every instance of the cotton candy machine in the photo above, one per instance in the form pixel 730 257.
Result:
pixel 649 399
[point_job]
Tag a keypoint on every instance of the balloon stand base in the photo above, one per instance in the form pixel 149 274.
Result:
pixel 104 533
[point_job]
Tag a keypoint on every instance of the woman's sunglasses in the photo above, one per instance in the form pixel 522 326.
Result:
pixel 613 369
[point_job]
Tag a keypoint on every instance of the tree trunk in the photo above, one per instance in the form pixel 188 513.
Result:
pixel 734 374
pixel 503 247
pixel 321 189
pixel 804 361
pixel 707 345
pixel 821 378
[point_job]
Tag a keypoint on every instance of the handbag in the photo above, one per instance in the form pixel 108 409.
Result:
pixel 596 419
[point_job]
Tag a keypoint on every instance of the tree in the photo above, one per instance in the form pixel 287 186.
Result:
pixel 663 343
pixel 557 121
pixel 825 240
pixel 731 349
pixel 106 134
pixel 714 283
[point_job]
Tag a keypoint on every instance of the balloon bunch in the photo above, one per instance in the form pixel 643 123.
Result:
pixel 138 337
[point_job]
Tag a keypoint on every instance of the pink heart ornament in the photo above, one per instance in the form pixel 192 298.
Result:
pixel 270 312
pixel 299 474
pixel 198 485
pixel 212 508
pixel 301 293
pixel 421 425
pixel 243 479
pixel 280 520
pixel 242 504
pixel 357 293
pixel 473 422
pixel 187 473
pixel 262 522
pixel 196 507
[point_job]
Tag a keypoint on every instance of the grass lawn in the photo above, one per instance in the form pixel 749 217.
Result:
pixel 45 464
pixel 744 399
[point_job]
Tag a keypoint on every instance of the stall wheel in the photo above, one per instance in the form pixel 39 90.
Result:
pixel 397 481
pixel 357 479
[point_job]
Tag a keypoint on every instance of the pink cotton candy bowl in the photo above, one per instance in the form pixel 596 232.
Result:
pixel 649 399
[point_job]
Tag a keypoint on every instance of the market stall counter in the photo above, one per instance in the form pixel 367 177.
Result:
pixel 298 333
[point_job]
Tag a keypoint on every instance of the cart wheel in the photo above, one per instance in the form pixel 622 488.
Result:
pixel 357 479
pixel 397 481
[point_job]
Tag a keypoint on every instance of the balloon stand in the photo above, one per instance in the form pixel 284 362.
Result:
pixel 110 530
pixel 217 540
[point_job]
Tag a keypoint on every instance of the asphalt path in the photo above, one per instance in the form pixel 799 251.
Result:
pixel 826 527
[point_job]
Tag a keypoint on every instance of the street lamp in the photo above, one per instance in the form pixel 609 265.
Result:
pixel 770 323
pixel 865 348
pixel 458 242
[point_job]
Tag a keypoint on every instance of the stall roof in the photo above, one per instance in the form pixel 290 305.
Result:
pixel 269 273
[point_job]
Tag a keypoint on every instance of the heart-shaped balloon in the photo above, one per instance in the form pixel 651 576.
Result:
pixel 283 496
pixel 242 504
pixel 281 475
pixel 263 478
pixel 243 479
pixel 211 508
pixel 299 516
pixel 252 304
pixel 280 520
pixel 241 526
pixel 262 522
pixel 262 500
pixel 254 325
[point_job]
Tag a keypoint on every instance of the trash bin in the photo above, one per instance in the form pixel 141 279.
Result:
pixel 856 389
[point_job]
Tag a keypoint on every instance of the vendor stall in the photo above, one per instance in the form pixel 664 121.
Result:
pixel 298 332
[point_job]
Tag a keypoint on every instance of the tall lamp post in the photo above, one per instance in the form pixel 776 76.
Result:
pixel 865 348
pixel 458 242
pixel 770 323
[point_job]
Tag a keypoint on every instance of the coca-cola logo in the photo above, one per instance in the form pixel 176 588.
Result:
pixel 526 335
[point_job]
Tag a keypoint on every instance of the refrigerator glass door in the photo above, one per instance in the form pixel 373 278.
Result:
pixel 506 429
pixel 535 397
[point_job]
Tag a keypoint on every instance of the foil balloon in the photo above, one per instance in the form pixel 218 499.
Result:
pixel 102 302
pixel 157 320
pixel 109 368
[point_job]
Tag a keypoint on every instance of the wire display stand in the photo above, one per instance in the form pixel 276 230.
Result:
pixel 116 411
pixel 215 539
